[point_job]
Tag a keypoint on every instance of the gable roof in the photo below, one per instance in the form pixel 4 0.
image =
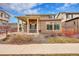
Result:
pixel 66 13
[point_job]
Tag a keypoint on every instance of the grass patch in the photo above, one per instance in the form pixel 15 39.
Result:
pixel 63 40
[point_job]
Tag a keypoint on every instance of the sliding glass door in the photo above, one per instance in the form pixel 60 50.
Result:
pixel 33 28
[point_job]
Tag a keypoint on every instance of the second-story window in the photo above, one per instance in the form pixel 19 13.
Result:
pixel 1 15
pixel 53 17
pixel 69 16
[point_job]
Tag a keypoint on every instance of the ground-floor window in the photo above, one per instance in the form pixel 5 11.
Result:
pixel 56 26
pixel 49 26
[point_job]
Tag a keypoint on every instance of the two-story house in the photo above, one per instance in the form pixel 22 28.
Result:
pixel 70 22
pixel 4 18
pixel 66 15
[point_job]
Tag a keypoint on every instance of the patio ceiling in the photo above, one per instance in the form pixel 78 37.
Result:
pixel 24 18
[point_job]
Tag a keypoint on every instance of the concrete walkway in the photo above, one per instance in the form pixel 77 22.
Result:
pixel 39 48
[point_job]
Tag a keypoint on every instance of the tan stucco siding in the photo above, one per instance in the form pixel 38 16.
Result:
pixel 75 15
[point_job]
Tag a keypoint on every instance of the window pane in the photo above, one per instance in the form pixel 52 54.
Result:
pixel 49 27
pixel 1 15
pixel 56 26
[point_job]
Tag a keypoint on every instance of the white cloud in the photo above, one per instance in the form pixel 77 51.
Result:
pixel 24 8
pixel 66 6
pixel 63 7
pixel 35 11
pixel 22 5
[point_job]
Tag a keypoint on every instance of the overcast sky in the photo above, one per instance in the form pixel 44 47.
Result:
pixel 19 9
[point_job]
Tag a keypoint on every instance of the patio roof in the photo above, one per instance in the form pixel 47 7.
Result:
pixel 24 18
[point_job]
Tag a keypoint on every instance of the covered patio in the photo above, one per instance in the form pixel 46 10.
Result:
pixel 28 24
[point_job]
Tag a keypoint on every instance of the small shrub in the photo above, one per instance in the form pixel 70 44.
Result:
pixel 4 39
pixel 18 39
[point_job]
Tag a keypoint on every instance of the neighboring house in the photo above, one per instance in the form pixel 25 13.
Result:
pixel 71 26
pixel 35 24
pixel 64 16
pixel 4 18
pixel 4 15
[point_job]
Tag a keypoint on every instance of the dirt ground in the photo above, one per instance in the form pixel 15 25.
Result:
pixel 36 39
